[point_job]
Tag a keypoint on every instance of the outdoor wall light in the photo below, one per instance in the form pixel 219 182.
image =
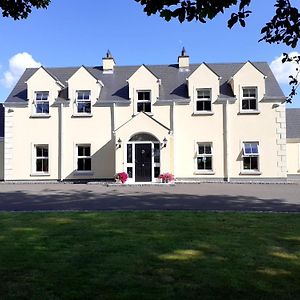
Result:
pixel 164 143
pixel 119 143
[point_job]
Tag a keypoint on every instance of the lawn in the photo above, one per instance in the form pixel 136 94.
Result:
pixel 153 255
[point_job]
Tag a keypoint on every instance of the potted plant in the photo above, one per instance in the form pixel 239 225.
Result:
pixel 166 177
pixel 121 177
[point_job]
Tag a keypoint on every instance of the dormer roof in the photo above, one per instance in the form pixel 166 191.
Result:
pixel 173 82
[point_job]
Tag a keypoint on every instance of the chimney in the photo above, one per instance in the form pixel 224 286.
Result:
pixel 108 63
pixel 183 60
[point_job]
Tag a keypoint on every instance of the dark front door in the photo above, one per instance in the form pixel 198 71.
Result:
pixel 143 163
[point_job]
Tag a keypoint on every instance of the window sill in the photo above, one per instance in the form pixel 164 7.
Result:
pixel 249 112
pixel 84 173
pixel 82 115
pixel 204 173
pixel 250 173
pixel 203 113
pixel 41 116
pixel 39 174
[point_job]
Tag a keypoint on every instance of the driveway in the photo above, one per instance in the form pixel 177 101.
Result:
pixel 201 197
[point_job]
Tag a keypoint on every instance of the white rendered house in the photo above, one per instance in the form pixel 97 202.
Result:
pixel 197 121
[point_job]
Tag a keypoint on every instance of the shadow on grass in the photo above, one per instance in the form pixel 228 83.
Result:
pixel 149 255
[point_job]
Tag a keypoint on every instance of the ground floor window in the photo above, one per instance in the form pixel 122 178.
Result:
pixel 84 160
pixel 41 158
pixel 204 157
pixel 251 156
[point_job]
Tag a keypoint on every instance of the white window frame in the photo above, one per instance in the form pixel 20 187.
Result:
pixel 256 155
pixel 36 157
pixel 144 101
pixel 198 155
pixel 209 99
pixel 42 101
pixel 249 99
pixel 83 101
pixel 77 157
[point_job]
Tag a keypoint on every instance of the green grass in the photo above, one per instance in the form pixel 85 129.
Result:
pixel 170 255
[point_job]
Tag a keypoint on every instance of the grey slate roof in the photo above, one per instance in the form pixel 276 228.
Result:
pixel 173 81
pixel 1 120
pixel 293 123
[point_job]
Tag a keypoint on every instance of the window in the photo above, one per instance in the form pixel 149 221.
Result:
pixel 42 103
pixel 203 102
pixel 83 102
pixel 204 157
pixel 250 156
pixel 249 100
pixel 41 159
pixel 144 101
pixel 84 160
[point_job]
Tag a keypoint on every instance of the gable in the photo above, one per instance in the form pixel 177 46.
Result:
pixel 142 123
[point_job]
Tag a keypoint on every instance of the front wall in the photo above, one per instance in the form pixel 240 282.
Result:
pixel 293 158
pixel 1 159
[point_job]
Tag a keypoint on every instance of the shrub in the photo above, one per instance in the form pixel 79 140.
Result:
pixel 123 176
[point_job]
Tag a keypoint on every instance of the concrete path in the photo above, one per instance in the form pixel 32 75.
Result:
pixel 204 197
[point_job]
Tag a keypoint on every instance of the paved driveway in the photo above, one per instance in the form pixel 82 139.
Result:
pixel 228 197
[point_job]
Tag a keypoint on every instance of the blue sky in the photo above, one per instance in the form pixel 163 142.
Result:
pixel 69 33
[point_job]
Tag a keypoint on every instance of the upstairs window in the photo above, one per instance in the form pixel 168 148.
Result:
pixel 41 159
pixel 83 102
pixel 203 102
pixel 204 157
pixel 144 101
pixel 84 159
pixel 250 156
pixel 42 103
pixel 249 100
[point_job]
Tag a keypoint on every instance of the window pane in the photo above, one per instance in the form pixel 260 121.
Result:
pixel 156 172
pixel 207 149
pixel 245 104
pixel 247 163
pixel 129 153
pixel 39 151
pixel 140 107
pixel 84 150
pixel 88 164
pixel 45 165
pixel 84 107
pixel 156 153
pixel 252 103
pixel 254 163
pixel 39 165
pixel 147 96
pixel 129 172
pixel 147 107
pixel 208 163
pixel 201 149
pixel 207 105
pixel 199 105
pixel 84 164
pixel 200 163
pixel 254 148
pixel 205 93
pixel 248 149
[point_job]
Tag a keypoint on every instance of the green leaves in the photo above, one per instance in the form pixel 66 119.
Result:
pixel 284 26
pixel 20 9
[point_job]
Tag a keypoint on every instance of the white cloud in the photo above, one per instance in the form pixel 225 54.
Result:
pixel 283 71
pixel 17 65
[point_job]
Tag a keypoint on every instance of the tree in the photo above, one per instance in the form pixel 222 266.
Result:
pixel 284 27
pixel 20 9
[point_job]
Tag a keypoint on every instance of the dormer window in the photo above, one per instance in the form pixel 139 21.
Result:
pixel 144 101
pixel 249 100
pixel 83 102
pixel 203 101
pixel 42 103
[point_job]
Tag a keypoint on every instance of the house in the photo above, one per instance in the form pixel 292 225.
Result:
pixel 293 142
pixel 206 121
pixel 1 142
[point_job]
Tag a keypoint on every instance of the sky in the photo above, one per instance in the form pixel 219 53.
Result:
pixel 75 33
